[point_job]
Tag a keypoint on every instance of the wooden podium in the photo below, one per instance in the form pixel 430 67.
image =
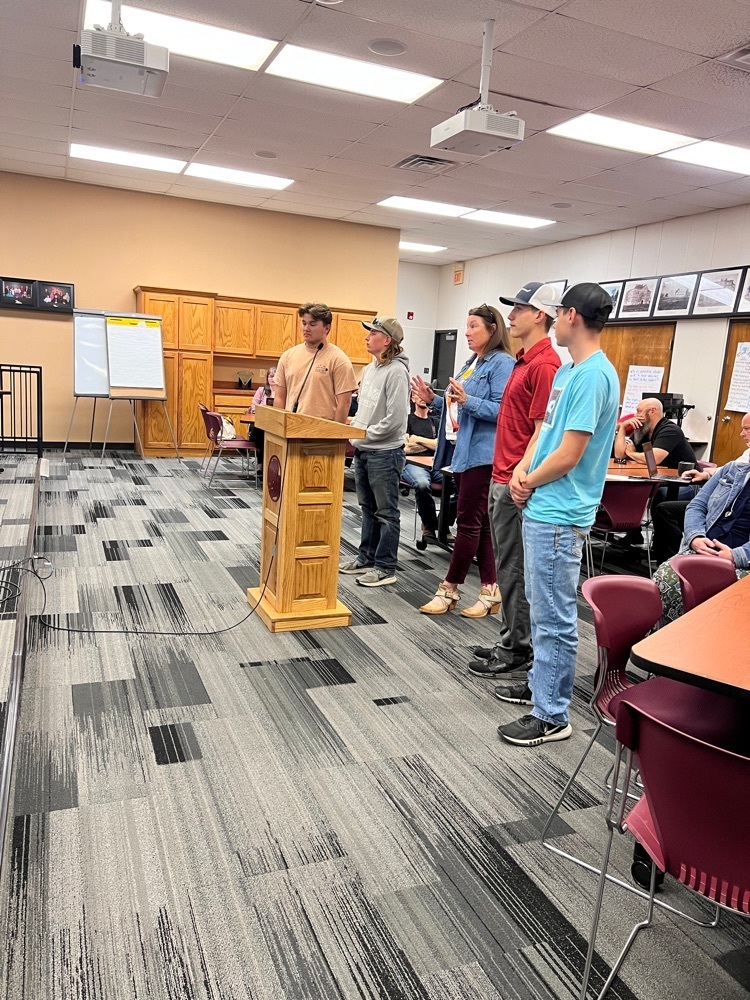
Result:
pixel 303 493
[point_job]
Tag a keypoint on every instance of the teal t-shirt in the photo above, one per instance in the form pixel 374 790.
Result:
pixel 584 397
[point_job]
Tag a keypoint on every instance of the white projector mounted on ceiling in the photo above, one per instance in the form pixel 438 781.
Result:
pixel 114 60
pixel 477 132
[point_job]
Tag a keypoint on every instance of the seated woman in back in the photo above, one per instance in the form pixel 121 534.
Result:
pixel 263 397
pixel 717 523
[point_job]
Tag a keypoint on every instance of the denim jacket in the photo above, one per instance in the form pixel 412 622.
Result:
pixel 477 417
pixel 706 509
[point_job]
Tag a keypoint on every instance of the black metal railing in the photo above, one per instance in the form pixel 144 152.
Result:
pixel 21 408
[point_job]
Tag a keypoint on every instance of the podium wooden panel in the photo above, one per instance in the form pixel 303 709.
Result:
pixel 304 521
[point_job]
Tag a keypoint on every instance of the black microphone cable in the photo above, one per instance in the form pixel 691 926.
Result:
pixel 307 375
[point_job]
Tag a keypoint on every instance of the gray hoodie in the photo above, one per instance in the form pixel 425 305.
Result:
pixel 383 405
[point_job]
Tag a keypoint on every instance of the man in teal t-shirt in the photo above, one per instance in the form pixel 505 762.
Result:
pixel 559 484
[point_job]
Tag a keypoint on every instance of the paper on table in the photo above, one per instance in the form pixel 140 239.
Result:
pixel 738 398
pixel 135 353
pixel 641 378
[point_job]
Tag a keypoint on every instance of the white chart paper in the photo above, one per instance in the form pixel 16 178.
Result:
pixel 135 353
pixel 739 388
pixel 641 378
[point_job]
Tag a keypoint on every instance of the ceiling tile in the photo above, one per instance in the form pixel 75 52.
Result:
pixel 569 44
pixel 683 24
pixel 233 196
pixel 33 91
pixel 439 17
pixel 661 177
pixel 334 29
pixel 676 114
pixel 711 83
pixel 586 192
pixel 58 13
pixel 245 149
pixel 269 20
pixel 250 113
pixel 152 184
pixel 292 197
pixel 316 212
pixel 553 147
pixel 198 75
pixel 31 142
pixel 207 102
pixel 105 131
pixel 539 81
pixel 8 151
pixel 135 109
pixel 41 130
pixel 361 153
pixel 33 169
pixel 30 111
pixel 22 66
pixel 43 41
pixel 135 145
pixel 302 97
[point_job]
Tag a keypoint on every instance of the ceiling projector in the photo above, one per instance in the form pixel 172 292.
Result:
pixel 114 60
pixel 477 132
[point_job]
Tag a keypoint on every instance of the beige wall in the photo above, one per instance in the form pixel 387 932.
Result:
pixel 107 241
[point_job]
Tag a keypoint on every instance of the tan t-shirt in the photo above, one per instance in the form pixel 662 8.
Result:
pixel 331 375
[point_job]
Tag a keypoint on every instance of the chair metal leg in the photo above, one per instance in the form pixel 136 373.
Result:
pixel 566 789
pixel 216 465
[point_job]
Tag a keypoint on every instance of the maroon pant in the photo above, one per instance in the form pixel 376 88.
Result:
pixel 473 536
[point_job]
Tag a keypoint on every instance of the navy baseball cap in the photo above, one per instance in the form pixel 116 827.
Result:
pixel 588 299
pixel 536 295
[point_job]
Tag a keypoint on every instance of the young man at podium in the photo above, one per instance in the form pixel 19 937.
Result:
pixel 379 456
pixel 315 377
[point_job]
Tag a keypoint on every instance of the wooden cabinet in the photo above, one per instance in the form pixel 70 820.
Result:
pixel 164 304
pixel 276 330
pixel 153 425
pixel 195 386
pixel 196 323
pixel 233 407
pixel 234 327
pixel 348 333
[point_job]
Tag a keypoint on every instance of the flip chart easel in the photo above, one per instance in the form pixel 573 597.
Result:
pixel 135 363
pixel 90 374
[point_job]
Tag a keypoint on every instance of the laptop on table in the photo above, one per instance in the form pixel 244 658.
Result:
pixel 661 477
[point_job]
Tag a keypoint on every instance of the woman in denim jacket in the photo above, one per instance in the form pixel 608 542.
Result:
pixel 468 414
pixel 717 523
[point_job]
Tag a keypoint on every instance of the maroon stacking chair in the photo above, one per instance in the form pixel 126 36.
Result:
pixel 701 577
pixel 693 754
pixel 237 445
pixel 625 609
pixel 705 466
pixel 210 443
pixel 623 508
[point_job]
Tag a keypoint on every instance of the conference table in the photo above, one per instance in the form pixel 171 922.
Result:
pixel 708 646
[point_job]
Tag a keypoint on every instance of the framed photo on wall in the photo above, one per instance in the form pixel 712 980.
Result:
pixel 675 295
pixel 637 298
pixel 614 290
pixel 18 293
pixel 559 286
pixel 717 292
pixel 743 303
pixel 54 296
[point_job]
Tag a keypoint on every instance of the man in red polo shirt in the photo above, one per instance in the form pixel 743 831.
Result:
pixel 522 410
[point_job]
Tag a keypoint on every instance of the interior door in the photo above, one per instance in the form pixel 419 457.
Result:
pixel 727 444
pixel 639 345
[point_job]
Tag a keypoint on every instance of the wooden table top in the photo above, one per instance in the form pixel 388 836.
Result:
pixel 423 460
pixel 633 471
pixel 709 646
pixel 247 418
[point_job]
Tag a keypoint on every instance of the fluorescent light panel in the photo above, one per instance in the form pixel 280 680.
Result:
pixel 186 38
pixel 356 76
pixel 244 177
pixel 617 134
pixel 505 219
pixel 716 155
pixel 427 207
pixel 420 247
pixel 125 158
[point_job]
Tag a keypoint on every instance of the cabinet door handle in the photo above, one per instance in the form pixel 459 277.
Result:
pixel 725 420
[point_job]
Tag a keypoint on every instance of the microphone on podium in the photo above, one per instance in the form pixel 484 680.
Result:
pixel 307 375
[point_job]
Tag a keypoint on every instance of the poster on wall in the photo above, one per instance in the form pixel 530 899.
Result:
pixel 738 398
pixel 637 298
pixel 641 378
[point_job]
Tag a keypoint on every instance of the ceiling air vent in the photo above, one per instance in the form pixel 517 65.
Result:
pixel 740 58
pixel 424 164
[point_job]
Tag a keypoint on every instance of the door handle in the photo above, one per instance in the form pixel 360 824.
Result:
pixel 725 420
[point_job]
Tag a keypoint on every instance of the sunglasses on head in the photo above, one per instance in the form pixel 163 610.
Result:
pixel 487 314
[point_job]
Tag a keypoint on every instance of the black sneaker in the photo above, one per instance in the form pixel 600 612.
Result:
pixel 516 692
pixel 492 668
pixel 483 652
pixel 529 731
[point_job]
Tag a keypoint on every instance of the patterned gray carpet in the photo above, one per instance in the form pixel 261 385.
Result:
pixel 324 814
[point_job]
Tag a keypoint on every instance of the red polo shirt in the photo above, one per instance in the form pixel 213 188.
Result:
pixel 524 401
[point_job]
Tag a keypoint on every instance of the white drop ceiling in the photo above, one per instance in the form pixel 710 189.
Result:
pixel 648 61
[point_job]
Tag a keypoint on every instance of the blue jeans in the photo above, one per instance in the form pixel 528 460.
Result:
pixel 552 556
pixel 377 475
pixel 421 480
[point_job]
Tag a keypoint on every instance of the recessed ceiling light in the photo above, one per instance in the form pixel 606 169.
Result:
pixel 386 47
pixel 266 154
pixel 353 75
pixel 618 134
pixel 420 247
pixel 186 38
pixel 125 158
pixel 428 207
pixel 244 177
pixel 504 219
pixel 717 155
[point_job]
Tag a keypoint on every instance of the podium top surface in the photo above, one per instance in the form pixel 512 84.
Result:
pixel 286 424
